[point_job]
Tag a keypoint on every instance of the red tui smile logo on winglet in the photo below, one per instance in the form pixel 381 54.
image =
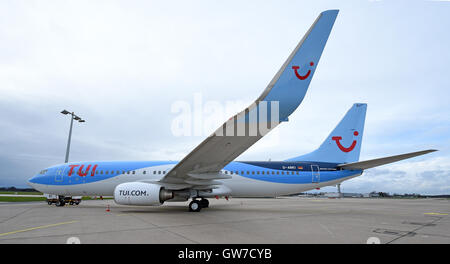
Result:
pixel 296 68
pixel 342 148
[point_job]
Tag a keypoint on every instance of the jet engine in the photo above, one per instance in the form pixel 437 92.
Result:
pixel 140 193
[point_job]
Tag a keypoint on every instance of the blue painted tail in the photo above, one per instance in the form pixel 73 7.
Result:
pixel 343 145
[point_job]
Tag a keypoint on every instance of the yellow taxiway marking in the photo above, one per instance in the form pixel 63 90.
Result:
pixel 435 214
pixel 38 227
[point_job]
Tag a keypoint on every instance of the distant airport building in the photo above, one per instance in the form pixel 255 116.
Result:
pixel 352 195
pixel 332 195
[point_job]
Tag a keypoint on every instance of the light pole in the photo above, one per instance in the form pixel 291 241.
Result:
pixel 73 116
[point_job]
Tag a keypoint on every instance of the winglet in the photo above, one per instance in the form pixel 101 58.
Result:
pixel 291 82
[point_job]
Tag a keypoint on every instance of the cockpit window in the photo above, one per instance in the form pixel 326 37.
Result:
pixel 43 172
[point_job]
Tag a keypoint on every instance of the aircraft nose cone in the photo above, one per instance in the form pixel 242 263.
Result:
pixel 30 182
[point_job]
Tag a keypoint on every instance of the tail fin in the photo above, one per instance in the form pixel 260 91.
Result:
pixel 343 145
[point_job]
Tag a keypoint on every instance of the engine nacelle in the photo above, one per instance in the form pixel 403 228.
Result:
pixel 140 193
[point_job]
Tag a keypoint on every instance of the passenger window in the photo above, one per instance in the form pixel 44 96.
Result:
pixel 133 172
pixel 226 172
pixel 257 172
pixel 106 172
pixel 253 172
pixel 248 172
pixel 143 172
pixel 159 172
pixel 278 172
pixel 282 172
pixel 297 172
pixel 154 172
pixel 128 172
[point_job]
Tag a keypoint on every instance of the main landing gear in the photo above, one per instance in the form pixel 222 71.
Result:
pixel 197 205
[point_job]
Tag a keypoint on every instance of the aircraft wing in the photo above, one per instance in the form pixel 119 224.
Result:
pixel 367 164
pixel 282 96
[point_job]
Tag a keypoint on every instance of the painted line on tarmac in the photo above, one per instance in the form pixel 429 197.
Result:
pixel 38 227
pixel 435 214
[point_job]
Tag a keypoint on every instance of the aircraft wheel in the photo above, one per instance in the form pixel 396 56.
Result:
pixel 195 206
pixel 204 203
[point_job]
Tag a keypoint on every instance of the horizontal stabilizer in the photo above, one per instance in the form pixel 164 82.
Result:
pixel 362 165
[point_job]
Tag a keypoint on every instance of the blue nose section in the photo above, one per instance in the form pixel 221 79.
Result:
pixel 31 181
pixel 37 179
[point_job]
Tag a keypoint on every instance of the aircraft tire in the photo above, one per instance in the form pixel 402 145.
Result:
pixel 204 203
pixel 195 206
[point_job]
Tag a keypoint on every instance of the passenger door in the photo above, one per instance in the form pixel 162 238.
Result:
pixel 315 171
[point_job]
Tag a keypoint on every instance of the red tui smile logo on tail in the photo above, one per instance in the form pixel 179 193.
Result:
pixel 304 76
pixel 342 148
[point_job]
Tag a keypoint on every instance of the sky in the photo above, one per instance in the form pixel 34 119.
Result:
pixel 123 65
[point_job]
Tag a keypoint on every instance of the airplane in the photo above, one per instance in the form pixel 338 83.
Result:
pixel 209 170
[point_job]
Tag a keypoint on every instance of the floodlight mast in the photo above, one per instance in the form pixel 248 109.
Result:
pixel 79 119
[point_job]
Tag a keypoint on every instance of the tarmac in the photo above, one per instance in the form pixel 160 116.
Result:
pixel 254 221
